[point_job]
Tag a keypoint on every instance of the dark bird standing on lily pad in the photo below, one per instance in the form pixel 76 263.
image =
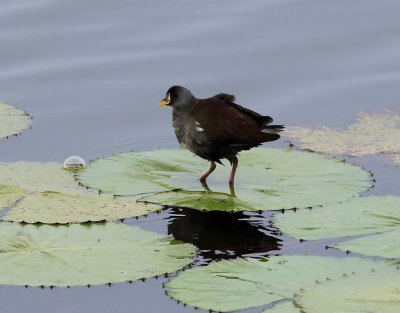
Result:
pixel 217 128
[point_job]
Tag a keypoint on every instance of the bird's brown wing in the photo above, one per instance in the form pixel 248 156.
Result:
pixel 230 100
pixel 224 123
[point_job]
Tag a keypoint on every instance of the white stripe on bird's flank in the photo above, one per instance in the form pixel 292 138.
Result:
pixel 198 127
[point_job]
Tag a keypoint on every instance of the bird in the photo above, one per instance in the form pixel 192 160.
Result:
pixel 217 128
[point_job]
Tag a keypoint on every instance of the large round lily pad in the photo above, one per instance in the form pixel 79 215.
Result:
pixel 51 195
pixel 359 216
pixel 267 179
pixel 79 254
pixel 12 120
pixel 234 285
pixel 373 133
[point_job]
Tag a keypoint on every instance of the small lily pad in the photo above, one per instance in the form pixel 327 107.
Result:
pixel 55 207
pixel 373 133
pixel 243 283
pixel 12 120
pixel 79 254
pixel 267 179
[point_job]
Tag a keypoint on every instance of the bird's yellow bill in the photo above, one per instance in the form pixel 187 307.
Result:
pixel 166 100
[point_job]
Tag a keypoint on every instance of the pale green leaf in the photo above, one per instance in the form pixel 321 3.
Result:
pixel 384 244
pixel 9 194
pixel 358 216
pixel 12 120
pixel 81 254
pixel 378 291
pixel 283 307
pixel 267 179
pixel 54 207
pixel 243 283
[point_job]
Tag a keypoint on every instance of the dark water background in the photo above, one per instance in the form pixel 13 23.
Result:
pixel 92 72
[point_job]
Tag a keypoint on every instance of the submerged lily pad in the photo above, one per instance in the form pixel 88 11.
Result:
pixel 267 179
pixel 243 283
pixel 372 133
pixel 55 207
pixel 359 216
pixel 51 195
pixel 12 120
pixel 79 254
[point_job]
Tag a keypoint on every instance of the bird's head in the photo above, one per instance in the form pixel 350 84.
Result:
pixel 178 97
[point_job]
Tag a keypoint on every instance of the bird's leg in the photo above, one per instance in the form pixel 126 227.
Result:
pixel 212 168
pixel 234 166
pixel 205 186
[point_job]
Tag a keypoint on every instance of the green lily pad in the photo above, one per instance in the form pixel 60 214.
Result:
pixel 384 244
pixel 283 307
pixel 51 195
pixel 234 285
pixel 55 207
pixel 79 254
pixel 372 133
pixel 10 194
pixel 267 179
pixel 12 120
pixel 358 216
pixel 378 291
pixel 40 177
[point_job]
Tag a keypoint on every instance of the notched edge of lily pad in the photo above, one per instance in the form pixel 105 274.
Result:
pixel 22 113
pixel 3 217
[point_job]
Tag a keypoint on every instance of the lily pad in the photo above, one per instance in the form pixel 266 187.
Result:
pixel 267 179
pixel 234 285
pixel 12 120
pixel 283 307
pixel 51 195
pixel 55 207
pixel 373 133
pixel 39 177
pixel 384 244
pixel 79 254
pixel 10 194
pixel 358 216
pixel 378 291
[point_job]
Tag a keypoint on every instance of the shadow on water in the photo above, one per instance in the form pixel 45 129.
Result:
pixel 221 235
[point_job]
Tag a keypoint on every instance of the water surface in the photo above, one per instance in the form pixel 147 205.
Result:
pixel 92 72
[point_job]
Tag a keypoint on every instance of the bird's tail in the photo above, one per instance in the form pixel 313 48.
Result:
pixel 272 129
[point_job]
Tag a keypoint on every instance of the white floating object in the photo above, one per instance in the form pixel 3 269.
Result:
pixel 74 162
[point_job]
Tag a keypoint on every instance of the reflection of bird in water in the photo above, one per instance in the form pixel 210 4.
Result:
pixel 217 128
pixel 220 234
